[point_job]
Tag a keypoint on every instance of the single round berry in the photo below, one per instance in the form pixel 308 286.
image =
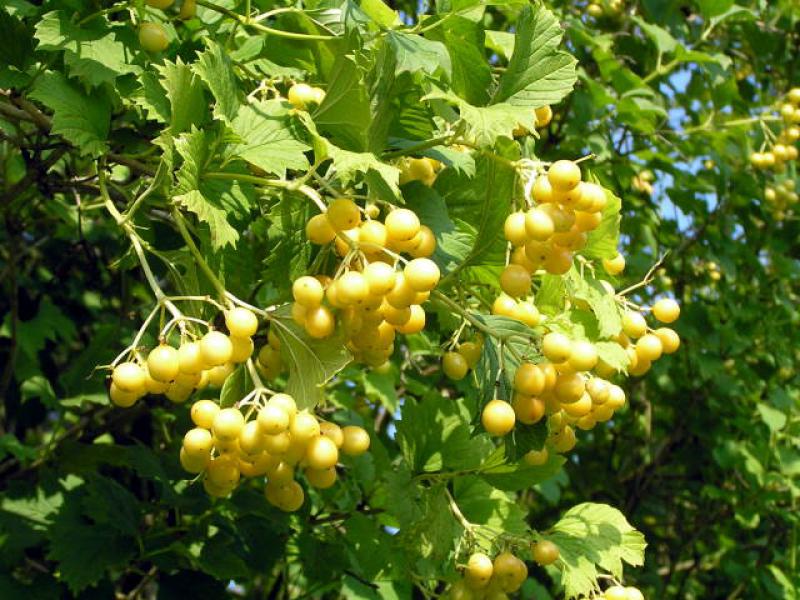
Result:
pixel 203 413
pixel 515 281
pixel 355 440
pixel 564 175
pixel 319 230
pixel 634 325
pixel 539 225
pixel 163 363
pixel 529 379
pixel 509 571
pixel 556 347
pixel 129 377
pixel 670 340
pixel 319 322
pixel 343 214
pixel 402 224
pixel 545 552
pixel 308 291
pixel 498 417
pixel 666 310
pixel 198 442
pixel 216 348
pixel 454 365
pixel 228 424
pixel 380 278
pixel 422 274
pixel 583 356
pixel 122 398
pixel 536 458
pixel 241 322
pixel 514 228
pixel 614 266
pixel 153 37
pixel 273 419
pixel 190 358
pixel 321 453
pixel 304 427
pixel 479 570
pixel 300 95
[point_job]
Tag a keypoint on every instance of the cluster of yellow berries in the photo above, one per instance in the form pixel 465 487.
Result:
pixel 422 169
pixel 547 235
pixel 178 372
pixel 650 344
pixel 373 299
pixel 456 364
pixel 781 197
pixel 487 579
pixel 278 443
pixel 643 182
pixel 783 149
pixel 610 8
pixel 571 386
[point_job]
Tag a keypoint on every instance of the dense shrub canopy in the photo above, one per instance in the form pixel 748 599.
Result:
pixel 449 233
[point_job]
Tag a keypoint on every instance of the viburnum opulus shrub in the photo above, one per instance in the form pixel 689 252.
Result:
pixel 371 306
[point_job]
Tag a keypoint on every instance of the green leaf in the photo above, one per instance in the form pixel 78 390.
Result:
pixel 152 98
pixel 92 51
pixel 185 93
pixel 215 68
pixel 312 363
pixel 9 444
pixel 471 75
pixel 772 417
pixel 349 165
pixel 613 355
pixel 85 550
pixel 482 504
pixel 17 47
pixel 478 207
pixel 220 558
pixel 510 343
pixel 81 119
pixel 593 538
pixel 267 140
pixel 514 476
pixel 380 13
pixel 215 202
pixel 551 295
pixel 486 124
pixel 111 505
pixel 236 387
pixel 434 435
pixel 380 387
pixel 414 53
pixel 603 304
pixel 37 509
pixel 524 438
pixel 345 112
pixel 537 73
pixel 501 42
pixel 38 387
pixel 432 536
pixel 662 38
